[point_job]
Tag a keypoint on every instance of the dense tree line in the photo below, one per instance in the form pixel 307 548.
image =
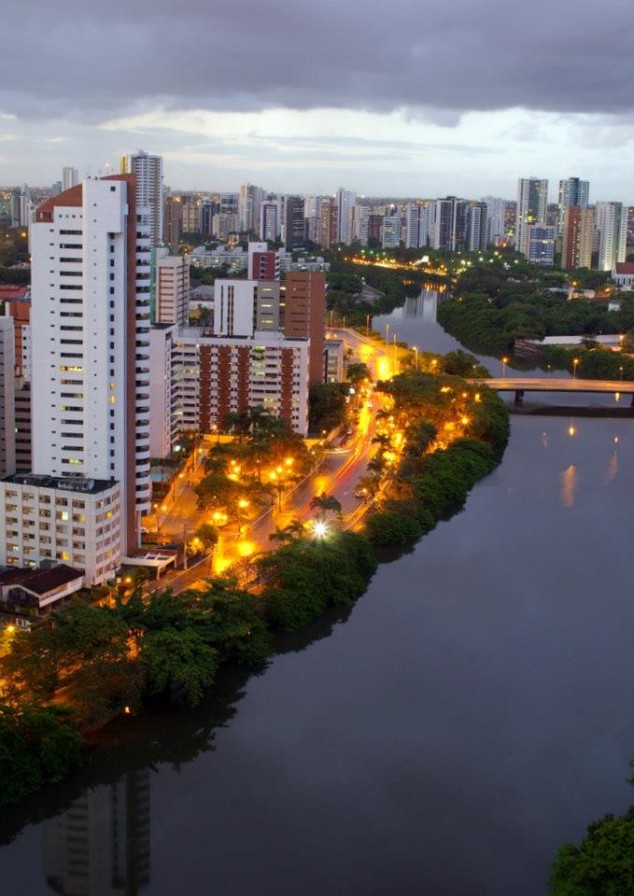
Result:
pixel 493 307
pixel 302 579
pixel 455 434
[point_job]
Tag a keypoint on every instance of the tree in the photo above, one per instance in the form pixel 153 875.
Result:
pixel 603 865
pixel 357 373
pixel 324 504
pixel 208 535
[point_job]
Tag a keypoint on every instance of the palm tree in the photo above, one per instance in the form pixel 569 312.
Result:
pixel 324 503
pixel 294 530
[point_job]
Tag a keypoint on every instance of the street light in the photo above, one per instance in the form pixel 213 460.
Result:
pixel 621 369
pixel 575 361
pixel 415 357
pixel 242 505
pixel 505 361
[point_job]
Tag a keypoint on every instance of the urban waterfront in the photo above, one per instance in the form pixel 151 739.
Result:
pixel 472 712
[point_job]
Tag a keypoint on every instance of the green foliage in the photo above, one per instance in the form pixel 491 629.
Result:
pixel 178 662
pixel 208 535
pixel 303 578
pixel 327 406
pixel 491 308
pixel 38 745
pixel 392 529
pixel 603 865
pixel 357 373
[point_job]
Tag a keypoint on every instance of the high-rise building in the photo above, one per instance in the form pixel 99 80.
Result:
pixel 532 201
pixel 346 200
pixel 170 287
pixel 270 219
pixel 448 224
pixel 70 178
pixel 572 192
pixel 360 219
pixel 496 222
pixel 222 375
pixel 391 229
pixel 7 396
pixel 294 231
pixel 249 201
pixel 416 225
pixel 541 244
pixel 476 227
pixel 305 315
pixel 173 221
pixel 578 233
pixel 611 223
pixel 149 187
pixel 90 319
pixel 242 307
pixel 328 226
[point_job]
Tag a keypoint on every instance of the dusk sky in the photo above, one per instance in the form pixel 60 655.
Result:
pixel 410 98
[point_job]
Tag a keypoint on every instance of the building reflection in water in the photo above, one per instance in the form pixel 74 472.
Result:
pixel 101 845
pixel 425 305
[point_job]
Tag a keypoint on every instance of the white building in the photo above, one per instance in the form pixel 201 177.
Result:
pixel 90 320
pixel 55 520
pixel 149 174
pixel 242 307
pixel 611 223
pixel 70 178
pixel 170 296
pixel 416 225
pixel 496 219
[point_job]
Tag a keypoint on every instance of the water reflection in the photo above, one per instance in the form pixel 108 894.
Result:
pixel 423 306
pixel 100 846
pixel 569 486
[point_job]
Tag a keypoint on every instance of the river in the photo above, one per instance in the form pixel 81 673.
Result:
pixel 472 712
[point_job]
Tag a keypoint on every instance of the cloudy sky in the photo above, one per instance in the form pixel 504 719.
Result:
pixel 401 98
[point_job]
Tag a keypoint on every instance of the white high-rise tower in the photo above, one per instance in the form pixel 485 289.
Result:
pixel 90 319
pixel 149 179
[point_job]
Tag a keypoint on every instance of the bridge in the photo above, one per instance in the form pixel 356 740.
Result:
pixel 520 385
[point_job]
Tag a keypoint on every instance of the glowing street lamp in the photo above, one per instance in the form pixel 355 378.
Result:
pixel 575 361
pixel 320 529
pixel 505 361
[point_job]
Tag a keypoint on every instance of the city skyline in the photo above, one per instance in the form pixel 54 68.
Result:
pixel 305 99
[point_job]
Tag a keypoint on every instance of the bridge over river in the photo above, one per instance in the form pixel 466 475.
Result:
pixel 520 385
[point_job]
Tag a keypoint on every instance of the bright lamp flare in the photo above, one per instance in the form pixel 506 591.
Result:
pixel 320 529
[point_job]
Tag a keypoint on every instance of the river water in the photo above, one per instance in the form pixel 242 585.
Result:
pixel 473 711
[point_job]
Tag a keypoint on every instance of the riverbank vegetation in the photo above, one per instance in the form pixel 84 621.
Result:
pixel 441 436
pixel 492 307
pixel 89 663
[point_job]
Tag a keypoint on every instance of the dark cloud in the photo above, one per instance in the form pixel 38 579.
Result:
pixel 66 58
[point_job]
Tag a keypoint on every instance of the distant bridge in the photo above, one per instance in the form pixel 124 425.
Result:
pixel 522 384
